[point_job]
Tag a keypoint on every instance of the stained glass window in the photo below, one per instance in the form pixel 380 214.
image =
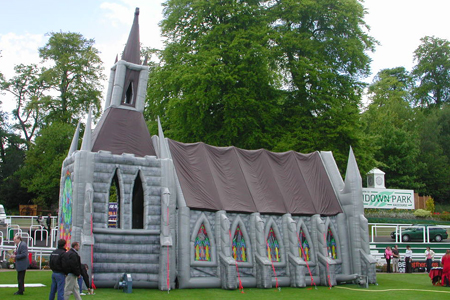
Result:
pixel 331 244
pixel 303 246
pixel 65 222
pixel 202 245
pixel 273 247
pixel 239 246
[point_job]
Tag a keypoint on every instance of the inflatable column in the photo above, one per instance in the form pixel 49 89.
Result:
pixel 296 265
pixel 227 265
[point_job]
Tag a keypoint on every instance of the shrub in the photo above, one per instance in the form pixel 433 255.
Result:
pixel 429 204
pixel 445 216
pixel 421 213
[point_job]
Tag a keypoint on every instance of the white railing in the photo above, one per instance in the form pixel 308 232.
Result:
pixel 376 226
pixel 398 228
pixel 16 225
pixel 37 252
pixel 33 219
pixel 415 256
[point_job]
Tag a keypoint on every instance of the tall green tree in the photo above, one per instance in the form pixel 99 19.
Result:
pixel 216 82
pixel 273 74
pixel 42 170
pixel 75 74
pixel 391 122
pixel 432 72
pixel 28 89
pixel 12 154
pixel 321 49
pixel 434 153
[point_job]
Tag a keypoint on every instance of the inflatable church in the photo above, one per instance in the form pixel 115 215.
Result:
pixel 177 215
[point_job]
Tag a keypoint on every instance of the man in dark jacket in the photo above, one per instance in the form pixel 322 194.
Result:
pixel 58 276
pixel 22 262
pixel 72 268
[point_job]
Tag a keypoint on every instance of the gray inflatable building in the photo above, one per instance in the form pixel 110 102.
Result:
pixel 199 216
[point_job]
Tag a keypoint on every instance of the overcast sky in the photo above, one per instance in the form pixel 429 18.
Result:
pixel 398 25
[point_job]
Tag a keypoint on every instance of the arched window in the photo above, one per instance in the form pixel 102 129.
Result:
pixel 239 246
pixel 304 250
pixel 202 245
pixel 114 203
pixel 331 244
pixel 129 94
pixel 137 220
pixel 273 246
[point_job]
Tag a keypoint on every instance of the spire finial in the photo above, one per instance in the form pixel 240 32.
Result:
pixel 131 53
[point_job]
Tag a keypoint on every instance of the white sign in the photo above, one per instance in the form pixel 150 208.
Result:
pixel 389 199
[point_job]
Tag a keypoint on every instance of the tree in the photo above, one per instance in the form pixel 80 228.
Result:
pixel 321 51
pixel 391 122
pixel 432 72
pixel 12 154
pixel 434 153
pixel 42 170
pixel 215 82
pixel 75 74
pixel 262 74
pixel 28 88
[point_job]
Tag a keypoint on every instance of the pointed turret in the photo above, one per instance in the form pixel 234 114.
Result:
pixel 131 53
pixel 163 146
pixel 87 145
pixel 352 176
pixel 74 144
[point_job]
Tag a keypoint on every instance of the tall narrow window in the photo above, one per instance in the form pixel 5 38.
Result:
pixel 202 245
pixel 303 246
pixel 129 94
pixel 138 204
pixel 238 246
pixel 65 222
pixel 273 247
pixel 331 244
pixel 114 203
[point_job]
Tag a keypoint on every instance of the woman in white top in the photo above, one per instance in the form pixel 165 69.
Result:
pixel 429 255
pixel 408 259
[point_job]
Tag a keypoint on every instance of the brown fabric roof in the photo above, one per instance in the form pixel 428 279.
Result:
pixel 122 131
pixel 233 179
pixel 131 53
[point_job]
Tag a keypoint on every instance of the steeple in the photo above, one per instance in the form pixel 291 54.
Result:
pixel 131 53
pixel 128 80
pixel 122 127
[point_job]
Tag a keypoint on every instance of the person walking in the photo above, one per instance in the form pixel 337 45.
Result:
pixel 22 263
pixel 58 276
pixel 429 255
pixel 388 256
pixel 395 258
pixel 408 259
pixel 71 263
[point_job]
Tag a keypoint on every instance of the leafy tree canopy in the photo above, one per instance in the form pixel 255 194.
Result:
pixel 390 121
pixel 76 73
pixel 432 72
pixel 28 88
pixel 42 170
pixel 283 75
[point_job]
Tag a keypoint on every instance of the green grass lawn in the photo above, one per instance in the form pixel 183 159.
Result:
pixel 392 286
